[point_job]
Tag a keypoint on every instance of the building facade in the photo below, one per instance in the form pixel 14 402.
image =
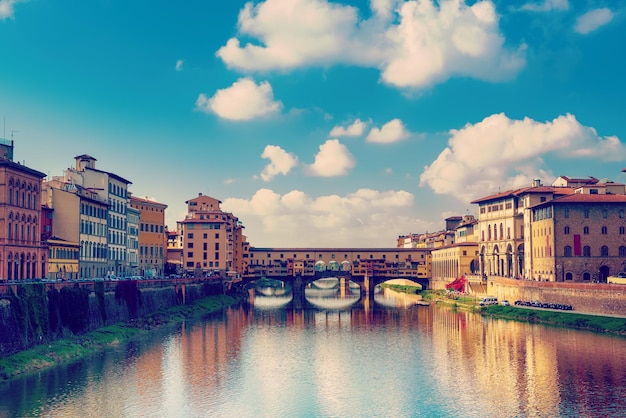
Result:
pixel 152 236
pixel 578 238
pixel 79 215
pixel 22 255
pixel 213 240
pixel 132 240
pixel 113 189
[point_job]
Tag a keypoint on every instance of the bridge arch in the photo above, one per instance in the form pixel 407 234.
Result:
pixel 320 266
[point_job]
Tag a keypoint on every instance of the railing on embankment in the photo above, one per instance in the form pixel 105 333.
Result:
pixel 598 298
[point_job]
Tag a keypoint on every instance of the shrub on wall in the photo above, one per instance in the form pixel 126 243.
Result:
pixel 74 308
pixel 128 292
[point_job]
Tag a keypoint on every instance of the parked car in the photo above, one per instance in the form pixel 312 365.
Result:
pixel 505 303
pixel 489 300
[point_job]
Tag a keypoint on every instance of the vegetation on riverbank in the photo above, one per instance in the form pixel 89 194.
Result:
pixel 402 288
pixel 456 301
pixel 596 323
pixel 73 348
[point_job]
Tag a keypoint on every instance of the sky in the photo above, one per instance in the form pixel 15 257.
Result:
pixel 318 123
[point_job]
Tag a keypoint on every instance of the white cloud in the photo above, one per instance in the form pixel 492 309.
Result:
pixel 414 43
pixel 6 8
pixel 243 100
pixel 392 131
pixel 281 162
pixel 364 218
pixel 592 20
pixel 355 129
pixel 547 6
pixel 511 153
pixel 179 65
pixel 333 159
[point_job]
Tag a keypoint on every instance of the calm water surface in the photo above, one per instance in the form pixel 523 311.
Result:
pixel 334 354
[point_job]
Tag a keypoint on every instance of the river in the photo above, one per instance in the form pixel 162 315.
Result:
pixel 335 354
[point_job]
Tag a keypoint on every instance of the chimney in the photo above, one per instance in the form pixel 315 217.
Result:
pixel 536 182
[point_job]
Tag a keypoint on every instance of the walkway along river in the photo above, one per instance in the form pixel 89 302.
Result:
pixel 337 355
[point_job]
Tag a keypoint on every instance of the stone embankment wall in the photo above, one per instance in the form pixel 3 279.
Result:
pixel 598 298
pixel 37 313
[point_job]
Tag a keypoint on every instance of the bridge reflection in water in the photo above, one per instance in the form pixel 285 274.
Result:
pixel 332 293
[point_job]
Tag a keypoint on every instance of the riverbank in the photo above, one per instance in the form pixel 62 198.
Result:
pixel 567 319
pixel 73 348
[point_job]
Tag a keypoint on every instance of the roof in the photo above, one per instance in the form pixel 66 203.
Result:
pixel 20 167
pixel 525 190
pixel 591 198
pixel 585 198
pixel 590 180
pixel 115 176
pixel 134 199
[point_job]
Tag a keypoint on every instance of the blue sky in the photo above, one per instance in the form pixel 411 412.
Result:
pixel 316 122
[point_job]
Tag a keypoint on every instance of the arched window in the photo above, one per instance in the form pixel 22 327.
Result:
pixel 586 276
pixel 604 230
pixel 568 276
pixel 567 251
pixel 604 251
pixel 489 232
pixel 586 251
pixel 622 251
pixel 501 231
pixel 586 230
pixel 10 231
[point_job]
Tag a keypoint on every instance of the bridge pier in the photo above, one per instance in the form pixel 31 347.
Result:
pixel 368 285
pixel 298 292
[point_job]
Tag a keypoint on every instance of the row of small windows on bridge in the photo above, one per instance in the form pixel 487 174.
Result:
pixel 345 256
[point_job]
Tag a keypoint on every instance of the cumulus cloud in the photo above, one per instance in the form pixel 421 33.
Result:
pixel 281 162
pixel 364 218
pixel 356 128
pixel 511 153
pixel 414 44
pixel 392 131
pixel 546 6
pixel 7 8
pixel 592 20
pixel 333 159
pixel 179 65
pixel 243 100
